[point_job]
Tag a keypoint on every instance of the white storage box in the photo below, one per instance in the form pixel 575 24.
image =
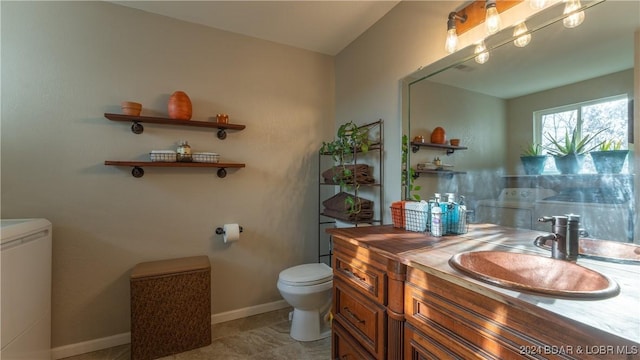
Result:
pixel 163 156
pixel 206 157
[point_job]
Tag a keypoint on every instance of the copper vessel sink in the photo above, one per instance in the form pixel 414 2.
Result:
pixel 535 274
pixel 605 250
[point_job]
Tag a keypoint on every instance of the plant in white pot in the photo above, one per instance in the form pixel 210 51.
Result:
pixel 533 159
pixel 569 152
pixel 610 157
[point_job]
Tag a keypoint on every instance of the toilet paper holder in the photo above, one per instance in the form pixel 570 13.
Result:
pixel 220 230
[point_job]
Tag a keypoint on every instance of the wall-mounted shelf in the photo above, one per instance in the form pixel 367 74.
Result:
pixel 415 146
pixel 416 173
pixel 137 128
pixel 138 170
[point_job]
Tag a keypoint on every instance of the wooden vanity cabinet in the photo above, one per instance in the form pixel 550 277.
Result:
pixel 365 323
pixel 444 320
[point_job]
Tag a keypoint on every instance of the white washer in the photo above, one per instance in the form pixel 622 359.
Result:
pixel 601 221
pixel 513 208
pixel 25 289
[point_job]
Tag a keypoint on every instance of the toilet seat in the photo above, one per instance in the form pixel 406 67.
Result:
pixel 306 275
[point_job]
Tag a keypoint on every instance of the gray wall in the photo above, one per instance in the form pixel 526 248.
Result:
pixel 369 73
pixel 64 64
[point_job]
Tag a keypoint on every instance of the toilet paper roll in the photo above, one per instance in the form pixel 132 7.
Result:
pixel 231 233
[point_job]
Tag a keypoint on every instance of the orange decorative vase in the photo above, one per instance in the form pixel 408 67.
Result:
pixel 438 136
pixel 179 106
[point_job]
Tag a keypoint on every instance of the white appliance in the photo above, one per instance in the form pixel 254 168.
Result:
pixel 604 217
pixel 25 289
pixel 513 208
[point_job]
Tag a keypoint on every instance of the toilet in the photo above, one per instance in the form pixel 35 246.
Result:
pixel 307 288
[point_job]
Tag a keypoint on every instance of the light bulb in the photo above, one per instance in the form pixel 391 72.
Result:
pixel 576 19
pixel 451 44
pixel 538 4
pixel 521 40
pixel 482 54
pixel 492 21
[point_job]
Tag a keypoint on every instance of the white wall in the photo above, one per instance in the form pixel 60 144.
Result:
pixel 478 120
pixel 64 64
pixel 369 73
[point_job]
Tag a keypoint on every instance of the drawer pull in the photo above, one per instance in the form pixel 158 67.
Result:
pixel 353 316
pixel 352 274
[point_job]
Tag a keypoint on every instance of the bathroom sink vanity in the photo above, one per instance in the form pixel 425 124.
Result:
pixel 395 296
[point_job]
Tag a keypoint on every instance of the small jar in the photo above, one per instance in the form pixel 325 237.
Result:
pixel 184 152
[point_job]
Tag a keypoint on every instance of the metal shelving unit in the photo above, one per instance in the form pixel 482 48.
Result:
pixel 374 157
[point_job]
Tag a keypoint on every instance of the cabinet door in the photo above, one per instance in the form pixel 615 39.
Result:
pixel 345 347
pixel 363 318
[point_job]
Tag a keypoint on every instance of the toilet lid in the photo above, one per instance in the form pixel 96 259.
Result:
pixel 306 274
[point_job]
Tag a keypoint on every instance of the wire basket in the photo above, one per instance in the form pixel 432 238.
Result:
pixel 453 218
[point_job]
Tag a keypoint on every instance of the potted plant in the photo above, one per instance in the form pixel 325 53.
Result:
pixel 569 152
pixel 533 159
pixel 350 139
pixel 609 158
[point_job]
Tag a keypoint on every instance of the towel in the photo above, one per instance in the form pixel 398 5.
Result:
pixel 363 215
pixel 416 215
pixel 338 202
pixel 360 174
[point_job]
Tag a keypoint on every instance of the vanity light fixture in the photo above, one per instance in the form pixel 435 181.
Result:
pixel 576 17
pixel 523 37
pixel 451 44
pixel 492 20
pixel 537 4
pixel 482 54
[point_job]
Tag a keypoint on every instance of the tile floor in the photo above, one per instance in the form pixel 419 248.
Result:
pixel 259 337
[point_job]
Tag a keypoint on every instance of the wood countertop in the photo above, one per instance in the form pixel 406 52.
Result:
pixel 618 316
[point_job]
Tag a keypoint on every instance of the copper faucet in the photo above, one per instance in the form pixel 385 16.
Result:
pixel 565 236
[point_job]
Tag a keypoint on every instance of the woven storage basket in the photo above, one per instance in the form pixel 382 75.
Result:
pixel 170 307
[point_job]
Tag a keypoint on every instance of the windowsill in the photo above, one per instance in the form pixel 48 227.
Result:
pixel 559 182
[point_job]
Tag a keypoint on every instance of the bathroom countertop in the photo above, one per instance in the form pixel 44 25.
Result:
pixel 618 316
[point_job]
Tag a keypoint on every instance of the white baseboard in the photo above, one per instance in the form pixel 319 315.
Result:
pixel 125 338
pixel 89 346
pixel 248 311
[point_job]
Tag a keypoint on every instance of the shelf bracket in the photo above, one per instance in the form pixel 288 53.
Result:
pixel 450 151
pixel 415 148
pixel 137 172
pixel 222 134
pixel 222 172
pixel 137 128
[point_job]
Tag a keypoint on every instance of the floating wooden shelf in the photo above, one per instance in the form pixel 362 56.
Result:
pixel 137 170
pixel 137 128
pixel 417 173
pixel 415 146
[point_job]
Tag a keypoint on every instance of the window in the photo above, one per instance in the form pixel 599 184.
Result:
pixel 611 114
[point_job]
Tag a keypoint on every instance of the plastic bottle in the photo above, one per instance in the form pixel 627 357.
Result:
pixel 436 217
pixel 462 212
pixel 450 214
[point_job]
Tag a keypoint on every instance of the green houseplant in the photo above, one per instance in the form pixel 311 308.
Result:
pixel 533 159
pixel 408 176
pixel 609 157
pixel 350 139
pixel 569 151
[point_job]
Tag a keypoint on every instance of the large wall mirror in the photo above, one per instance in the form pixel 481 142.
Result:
pixel 495 109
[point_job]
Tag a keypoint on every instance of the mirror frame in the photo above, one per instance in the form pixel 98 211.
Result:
pixel 537 21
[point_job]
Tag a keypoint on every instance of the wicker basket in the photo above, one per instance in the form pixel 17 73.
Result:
pixel 454 219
